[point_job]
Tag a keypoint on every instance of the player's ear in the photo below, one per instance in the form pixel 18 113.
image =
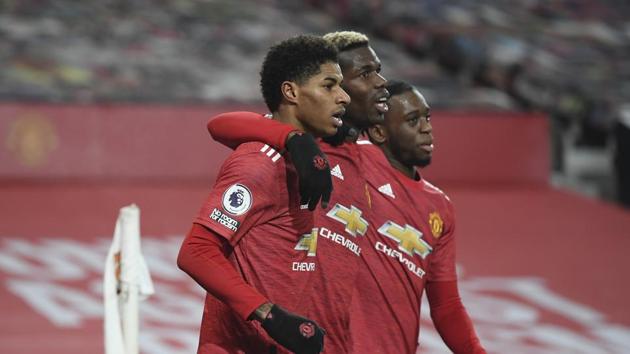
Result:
pixel 289 91
pixel 377 134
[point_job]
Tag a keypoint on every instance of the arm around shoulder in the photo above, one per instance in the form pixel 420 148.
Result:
pixel 234 128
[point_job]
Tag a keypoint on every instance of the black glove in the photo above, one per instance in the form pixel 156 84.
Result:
pixel 312 169
pixel 298 334
pixel 345 132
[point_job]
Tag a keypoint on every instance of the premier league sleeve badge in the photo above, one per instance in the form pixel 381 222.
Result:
pixel 237 199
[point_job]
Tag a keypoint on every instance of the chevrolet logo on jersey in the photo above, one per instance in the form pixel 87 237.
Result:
pixel 355 224
pixel 409 239
pixel 308 242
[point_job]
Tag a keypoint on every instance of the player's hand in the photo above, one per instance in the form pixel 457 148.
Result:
pixel 296 333
pixel 312 169
pixel 344 133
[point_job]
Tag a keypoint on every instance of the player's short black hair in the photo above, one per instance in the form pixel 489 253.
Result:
pixel 296 59
pixel 396 87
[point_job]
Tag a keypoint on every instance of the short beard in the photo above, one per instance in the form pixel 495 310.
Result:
pixel 423 162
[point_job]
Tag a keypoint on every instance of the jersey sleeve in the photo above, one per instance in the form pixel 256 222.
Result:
pixel 202 256
pixel 451 319
pixel 235 128
pixel 244 195
pixel 442 267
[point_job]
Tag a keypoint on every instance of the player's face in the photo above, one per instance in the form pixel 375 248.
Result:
pixel 322 101
pixel 365 85
pixel 409 131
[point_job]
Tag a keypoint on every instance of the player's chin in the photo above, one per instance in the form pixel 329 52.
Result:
pixel 376 117
pixel 325 131
pixel 423 161
pixel 329 131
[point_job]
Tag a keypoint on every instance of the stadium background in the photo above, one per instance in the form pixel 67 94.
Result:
pixel 104 103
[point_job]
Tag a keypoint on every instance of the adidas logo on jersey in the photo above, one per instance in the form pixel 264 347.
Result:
pixel 336 171
pixel 387 190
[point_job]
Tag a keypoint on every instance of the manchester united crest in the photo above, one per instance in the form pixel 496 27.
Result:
pixel 32 138
pixel 436 223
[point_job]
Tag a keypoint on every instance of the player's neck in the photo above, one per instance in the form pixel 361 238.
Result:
pixel 352 134
pixel 287 116
pixel 409 171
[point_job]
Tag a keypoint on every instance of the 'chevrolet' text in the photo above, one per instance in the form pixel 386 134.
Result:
pixel 412 267
pixel 340 239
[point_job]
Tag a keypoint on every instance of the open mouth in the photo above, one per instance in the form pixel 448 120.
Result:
pixel 427 147
pixel 337 117
pixel 381 104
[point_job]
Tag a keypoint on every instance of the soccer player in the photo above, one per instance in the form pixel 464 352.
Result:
pixel 415 245
pixel 362 80
pixel 248 245
pixel 341 227
pixel 371 312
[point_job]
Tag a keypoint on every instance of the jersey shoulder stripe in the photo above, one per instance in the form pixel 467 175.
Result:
pixel 271 153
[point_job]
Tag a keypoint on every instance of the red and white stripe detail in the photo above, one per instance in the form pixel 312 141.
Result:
pixel 271 152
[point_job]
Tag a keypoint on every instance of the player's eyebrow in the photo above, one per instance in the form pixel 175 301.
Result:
pixel 334 79
pixel 419 112
pixel 369 67
pixel 411 114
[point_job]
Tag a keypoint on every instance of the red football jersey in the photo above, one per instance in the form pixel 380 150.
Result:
pixel 254 204
pixel 413 244
pixel 396 256
pixel 341 230
pixel 305 262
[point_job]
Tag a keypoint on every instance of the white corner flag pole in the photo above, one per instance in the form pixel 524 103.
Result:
pixel 126 281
